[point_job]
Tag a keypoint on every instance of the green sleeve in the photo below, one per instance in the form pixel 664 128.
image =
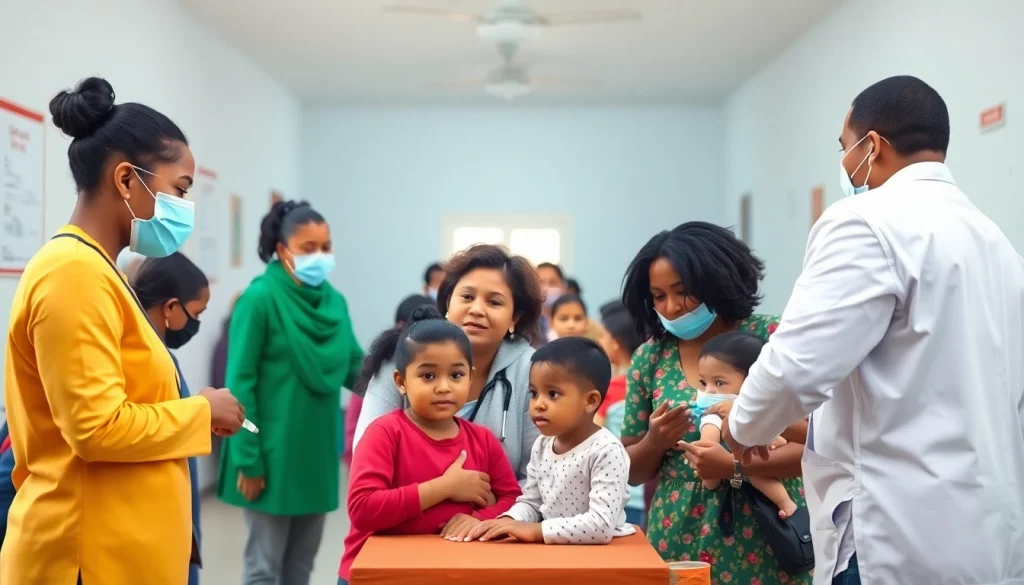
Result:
pixel 639 399
pixel 355 355
pixel 247 334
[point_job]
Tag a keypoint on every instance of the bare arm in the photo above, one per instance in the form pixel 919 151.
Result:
pixel 796 432
pixel 782 462
pixel 644 460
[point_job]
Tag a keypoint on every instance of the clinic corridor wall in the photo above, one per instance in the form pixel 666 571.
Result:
pixel 783 125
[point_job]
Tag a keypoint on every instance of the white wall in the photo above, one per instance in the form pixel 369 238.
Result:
pixel 241 123
pixel 783 124
pixel 385 177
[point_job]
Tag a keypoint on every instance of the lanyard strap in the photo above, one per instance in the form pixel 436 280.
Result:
pixel 130 290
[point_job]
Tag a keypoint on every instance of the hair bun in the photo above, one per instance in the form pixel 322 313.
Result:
pixel 425 313
pixel 81 111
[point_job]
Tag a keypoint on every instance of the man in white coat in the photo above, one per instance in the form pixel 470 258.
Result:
pixel 904 337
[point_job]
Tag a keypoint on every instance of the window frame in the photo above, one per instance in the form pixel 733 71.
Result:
pixel 507 223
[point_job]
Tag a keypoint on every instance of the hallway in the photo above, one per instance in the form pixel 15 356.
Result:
pixel 224 540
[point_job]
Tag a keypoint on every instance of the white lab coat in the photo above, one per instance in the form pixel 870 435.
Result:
pixel 905 338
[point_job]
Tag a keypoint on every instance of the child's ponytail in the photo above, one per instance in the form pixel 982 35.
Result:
pixel 426 325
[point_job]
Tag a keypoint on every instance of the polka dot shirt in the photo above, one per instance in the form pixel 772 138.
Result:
pixel 579 496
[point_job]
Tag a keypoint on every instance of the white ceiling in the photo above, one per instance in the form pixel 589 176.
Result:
pixel 350 52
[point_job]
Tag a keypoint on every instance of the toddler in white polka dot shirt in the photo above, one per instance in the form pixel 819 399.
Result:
pixel 576 487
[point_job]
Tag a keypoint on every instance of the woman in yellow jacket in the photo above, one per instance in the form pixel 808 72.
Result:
pixel 99 432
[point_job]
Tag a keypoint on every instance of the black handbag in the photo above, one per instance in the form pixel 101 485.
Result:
pixel 789 539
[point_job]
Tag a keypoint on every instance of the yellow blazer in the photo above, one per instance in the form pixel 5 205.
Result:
pixel 99 433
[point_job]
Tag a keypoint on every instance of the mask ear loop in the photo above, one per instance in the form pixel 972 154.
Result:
pixel 136 170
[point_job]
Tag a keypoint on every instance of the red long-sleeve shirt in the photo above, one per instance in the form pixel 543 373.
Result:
pixel 394 457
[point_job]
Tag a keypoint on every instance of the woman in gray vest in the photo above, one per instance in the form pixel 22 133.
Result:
pixel 496 299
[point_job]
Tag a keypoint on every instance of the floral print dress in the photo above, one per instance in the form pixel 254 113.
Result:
pixel 683 519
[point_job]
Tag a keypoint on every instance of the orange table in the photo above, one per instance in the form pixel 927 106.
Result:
pixel 421 560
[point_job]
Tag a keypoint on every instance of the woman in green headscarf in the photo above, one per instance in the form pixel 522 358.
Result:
pixel 292 349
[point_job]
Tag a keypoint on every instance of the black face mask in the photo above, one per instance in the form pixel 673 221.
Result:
pixel 175 338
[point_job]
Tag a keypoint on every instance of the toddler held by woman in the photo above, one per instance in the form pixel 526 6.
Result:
pixel 724 363
pixel 420 469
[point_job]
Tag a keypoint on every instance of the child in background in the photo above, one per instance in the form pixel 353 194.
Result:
pixel 421 468
pixel 619 343
pixel 723 365
pixel 569 317
pixel 575 489
pixel 403 316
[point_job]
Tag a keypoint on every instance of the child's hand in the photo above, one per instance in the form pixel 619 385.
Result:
pixel 492 499
pixel 459 527
pixel 485 526
pixel 778 442
pixel 521 531
pixel 465 485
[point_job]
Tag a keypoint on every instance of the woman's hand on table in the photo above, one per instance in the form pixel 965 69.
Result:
pixel 710 460
pixel 251 487
pixel 668 425
pixel 459 528
pixel 501 528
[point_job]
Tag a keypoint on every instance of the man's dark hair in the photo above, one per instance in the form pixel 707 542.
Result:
pixel 581 357
pixel 905 111
pixel 435 267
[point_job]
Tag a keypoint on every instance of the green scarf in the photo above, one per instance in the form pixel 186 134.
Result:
pixel 315 321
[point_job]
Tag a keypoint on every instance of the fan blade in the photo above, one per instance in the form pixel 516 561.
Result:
pixel 563 82
pixel 431 12
pixel 473 82
pixel 590 17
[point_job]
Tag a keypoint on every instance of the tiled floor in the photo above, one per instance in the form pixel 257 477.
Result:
pixel 224 538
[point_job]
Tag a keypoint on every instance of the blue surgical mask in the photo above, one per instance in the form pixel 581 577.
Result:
pixel 706 400
pixel 166 232
pixel 691 325
pixel 312 269
pixel 844 179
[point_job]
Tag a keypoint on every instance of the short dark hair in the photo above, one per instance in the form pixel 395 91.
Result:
pixel 579 356
pixel 618 324
pixel 435 267
pixel 555 267
pixel 281 222
pixel 904 110
pixel 520 277
pixel 567 300
pixel 100 129
pixel 403 343
pixel 572 285
pixel 736 348
pixel 713 264
pixel 159 280
pixel 409 304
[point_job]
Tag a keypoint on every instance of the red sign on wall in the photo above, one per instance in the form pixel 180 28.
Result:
pixel 993 117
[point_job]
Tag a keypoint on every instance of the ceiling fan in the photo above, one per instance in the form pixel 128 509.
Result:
pixel 511 80
pixel 514 21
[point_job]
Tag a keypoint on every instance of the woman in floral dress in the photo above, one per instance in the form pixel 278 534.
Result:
pixel 683 288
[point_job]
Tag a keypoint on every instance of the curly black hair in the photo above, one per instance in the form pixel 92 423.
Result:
pixel 281 222
pixel 713 264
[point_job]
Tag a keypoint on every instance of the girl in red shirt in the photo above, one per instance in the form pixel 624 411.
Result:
pixel 421 468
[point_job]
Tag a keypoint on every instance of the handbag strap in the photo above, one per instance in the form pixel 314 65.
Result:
pixel 727 513
pixel 130 290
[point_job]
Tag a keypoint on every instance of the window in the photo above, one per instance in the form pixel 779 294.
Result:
pixel 539 239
